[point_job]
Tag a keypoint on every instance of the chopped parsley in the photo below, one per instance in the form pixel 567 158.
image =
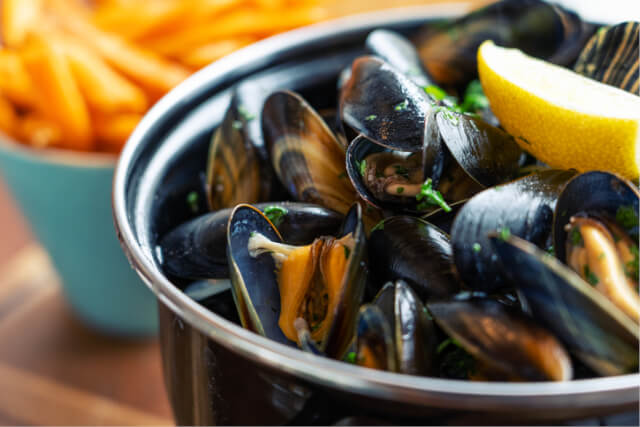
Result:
pixel 400 190
pixel 474 98
pixel 576 237
pixel 504 233
pixel 237 124
pixel 245 113
pixel 436 92
pixel 362 166
pixel 350 357
pixel 378 226
pixel 275 214
pixel 253 233
pixel 428 196
pixel 627 216
pixel 476 247
pixel 551 250
pixel 590 276
pixel 347 252
pixel 371 117
pixel 402 106
pixel 192 201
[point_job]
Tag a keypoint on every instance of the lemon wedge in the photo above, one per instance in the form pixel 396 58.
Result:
pixel 562 118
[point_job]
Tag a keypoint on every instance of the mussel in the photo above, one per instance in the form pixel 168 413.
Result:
pixel 275 283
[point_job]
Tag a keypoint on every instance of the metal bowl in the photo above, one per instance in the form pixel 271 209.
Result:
pixel 216 372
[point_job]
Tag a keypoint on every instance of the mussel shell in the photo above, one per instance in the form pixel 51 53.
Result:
pixel 487 154
pixel 305 154
pixel 523 207
pixel 234 173
pixel 611 57
pixel 413 332
pixel 599 193
pixel 443 219
pixel 374 341
pixel 411 249
pixel 255 286
pixel 536 27
pixel 590 325
pixel 397 51
pixel 197 249
pixel 384 105
pixel 503 339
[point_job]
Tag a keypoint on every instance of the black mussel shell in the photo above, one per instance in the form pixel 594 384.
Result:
pixel 399 52
pixel 254 284
pixel 374 341
pixel 611 57
pixel 590 325
pixel 411 249
pixel 197 249
pixel 381 103
pixel 413 332
pixel 508 343
pixel 443 219
pixel 522 208
pixel 536 27
pixel 599 193
pixel 305 154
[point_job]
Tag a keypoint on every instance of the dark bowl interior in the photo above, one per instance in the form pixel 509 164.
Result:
pixel 165 160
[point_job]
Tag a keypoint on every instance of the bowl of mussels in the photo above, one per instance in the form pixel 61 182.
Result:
pixel 339 231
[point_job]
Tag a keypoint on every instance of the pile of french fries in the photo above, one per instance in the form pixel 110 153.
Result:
pixel 80 75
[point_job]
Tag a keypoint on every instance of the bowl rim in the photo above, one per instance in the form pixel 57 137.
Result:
pixel 60 156
pixel 421 391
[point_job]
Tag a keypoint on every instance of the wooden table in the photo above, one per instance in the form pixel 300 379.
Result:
pixel 55 371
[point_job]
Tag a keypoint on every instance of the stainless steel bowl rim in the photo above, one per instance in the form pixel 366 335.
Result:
pixel 455 394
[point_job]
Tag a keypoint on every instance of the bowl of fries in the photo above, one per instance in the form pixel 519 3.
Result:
pixel 76 77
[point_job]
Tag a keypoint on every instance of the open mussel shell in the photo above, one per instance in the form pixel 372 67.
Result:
pixel 381 103
pixel 399 52
pixel 591 326
pixel 611 57
pixel 523 208
pixel 508 344
pixel 234 171
pixel 413 332
pixel 305 154
pixel 374 340
pixel 411 249
pixel 197 249
pixel 599 193
pixel 536 27
pixel 254 284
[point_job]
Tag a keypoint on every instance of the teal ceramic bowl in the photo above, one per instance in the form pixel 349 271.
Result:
pixel 66 198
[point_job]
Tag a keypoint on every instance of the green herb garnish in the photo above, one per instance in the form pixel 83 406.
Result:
pixel 428 196
pixel 192 201
pixel 350 357
pixel 504 233
pixel 400 190
pixel 627 216
pixel 436 92
pixel 347 252
pixel 245 113
pixel 378 226
pixel 371 117
pixel 275 214
pixel 474 98
pixel 476 247
pixel 590 276
pixel 237 124
pixel 576 237
pixel 362 166
pixel 402 106
pixel 551 250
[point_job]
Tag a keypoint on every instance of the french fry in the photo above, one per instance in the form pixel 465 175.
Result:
pixel 204 55
pixel 14 81
pixel 38 131
pixel 59 98
pixel 113 131
pixel 242 22
pixel 7 117
pixel 156 75
pixel 106 91
pixel 18 18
